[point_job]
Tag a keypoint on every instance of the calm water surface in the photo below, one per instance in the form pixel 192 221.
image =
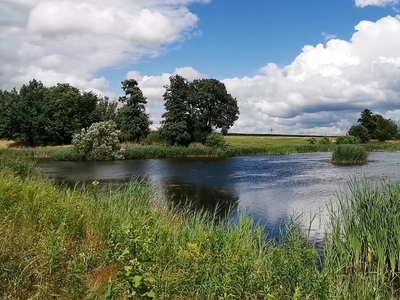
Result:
pixel 271 188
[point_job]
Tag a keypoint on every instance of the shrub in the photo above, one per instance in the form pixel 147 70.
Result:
pixel 312 141
pixel 99 142
pixel 349 154
pixel 347 139
pixel 215 140
pixel 324 141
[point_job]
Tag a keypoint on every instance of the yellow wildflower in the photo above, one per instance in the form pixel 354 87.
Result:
pixel 194 250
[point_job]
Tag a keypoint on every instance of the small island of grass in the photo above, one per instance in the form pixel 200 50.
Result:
pixel 349 155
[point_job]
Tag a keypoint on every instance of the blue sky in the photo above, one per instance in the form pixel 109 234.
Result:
pixel 237 39
pixel 258 48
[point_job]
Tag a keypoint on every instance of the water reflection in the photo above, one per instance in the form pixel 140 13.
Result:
pixel 270 188
pixel 220 202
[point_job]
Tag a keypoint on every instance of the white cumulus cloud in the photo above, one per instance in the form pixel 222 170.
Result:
pixel 70 40
pixel 363 3
pixel 322 91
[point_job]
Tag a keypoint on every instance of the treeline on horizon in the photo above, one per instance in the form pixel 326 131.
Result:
pixel 40 115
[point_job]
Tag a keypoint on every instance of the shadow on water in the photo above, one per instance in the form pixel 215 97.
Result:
pixel 220 203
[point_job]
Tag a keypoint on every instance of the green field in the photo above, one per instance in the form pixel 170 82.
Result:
pixel 264 141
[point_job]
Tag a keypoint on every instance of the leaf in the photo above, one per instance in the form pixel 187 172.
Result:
pixel 137 280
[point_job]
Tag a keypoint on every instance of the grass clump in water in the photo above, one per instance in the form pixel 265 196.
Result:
pixel 349 154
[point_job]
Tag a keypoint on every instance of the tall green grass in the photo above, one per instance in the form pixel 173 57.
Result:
pixel 93 243
pixel 99 243
pixel 364 242
pixel 349 154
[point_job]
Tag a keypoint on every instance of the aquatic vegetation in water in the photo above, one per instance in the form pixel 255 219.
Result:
pixel 349 154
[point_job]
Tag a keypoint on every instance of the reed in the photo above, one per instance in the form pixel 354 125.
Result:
pixel 364 244
pixel 349 154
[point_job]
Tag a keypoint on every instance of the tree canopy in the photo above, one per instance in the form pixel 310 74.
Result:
pixel 49 115
pixel 374 126
pixel 194 109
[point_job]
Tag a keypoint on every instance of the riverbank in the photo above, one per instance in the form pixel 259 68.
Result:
pixel 154 151
pixel 96 244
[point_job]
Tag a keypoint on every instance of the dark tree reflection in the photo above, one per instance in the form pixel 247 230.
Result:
pixel 220 202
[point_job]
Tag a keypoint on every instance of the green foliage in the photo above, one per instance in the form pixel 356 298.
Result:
pixel 349 154
pixel 347 139
pixel 67 112
pixel 195 109
pixel 324 141
pixel 38 115
pixel 360 132
pixel 364 237
pixel 131 118
pixel 25 113
pixel 99 142
pixel 312 141
pixel 377 126
pixel 106 110
pixel 21 167
pixel 154 138
pixel 176 133
pixel 397 136
pixel 216 140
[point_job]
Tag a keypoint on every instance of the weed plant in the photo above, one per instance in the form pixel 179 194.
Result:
pixel 349 154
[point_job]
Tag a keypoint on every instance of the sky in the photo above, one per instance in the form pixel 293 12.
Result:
pixel 296 67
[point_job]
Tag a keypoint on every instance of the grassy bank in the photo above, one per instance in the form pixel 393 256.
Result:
pixel 237 146
pixel 97 244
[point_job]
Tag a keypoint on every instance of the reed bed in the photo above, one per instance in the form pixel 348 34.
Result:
pixel 364 243
pixel 349 155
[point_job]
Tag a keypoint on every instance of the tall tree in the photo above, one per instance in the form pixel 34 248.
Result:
pixel 176 126
pixel 132 119
pixel 194 110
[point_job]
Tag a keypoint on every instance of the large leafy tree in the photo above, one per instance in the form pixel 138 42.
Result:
pixel 132 119
pixel 69 110
pixel 377 126
pixel 213 107
pixel 194 110
pixel 26 117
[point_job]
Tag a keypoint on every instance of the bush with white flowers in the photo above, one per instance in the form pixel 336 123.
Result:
pixel 99 142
